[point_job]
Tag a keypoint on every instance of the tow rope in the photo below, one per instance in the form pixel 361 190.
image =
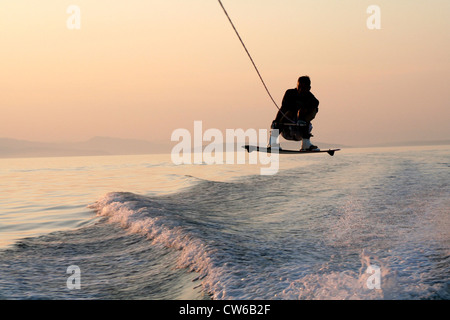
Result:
pixel 251 59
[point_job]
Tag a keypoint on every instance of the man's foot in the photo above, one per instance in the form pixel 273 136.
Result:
pixel 311 148
pixel 308 146
pixel 269 147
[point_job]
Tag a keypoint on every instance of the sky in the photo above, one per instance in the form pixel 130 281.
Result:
pixel 141 69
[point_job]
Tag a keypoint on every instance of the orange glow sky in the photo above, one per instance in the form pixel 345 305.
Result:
pixel 141 69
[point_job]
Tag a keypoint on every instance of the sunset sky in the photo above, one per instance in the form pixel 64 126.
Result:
pixel 141 69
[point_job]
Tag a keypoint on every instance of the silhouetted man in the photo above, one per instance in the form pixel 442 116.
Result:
pixel 293 120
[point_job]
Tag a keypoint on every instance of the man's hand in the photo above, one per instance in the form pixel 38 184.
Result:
pixel 274 125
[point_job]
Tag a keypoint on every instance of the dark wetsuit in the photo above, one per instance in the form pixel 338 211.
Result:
pixel 297 106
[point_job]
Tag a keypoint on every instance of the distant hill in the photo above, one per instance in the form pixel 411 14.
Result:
pixel 412 143
pixel 97 146
pixel 13 148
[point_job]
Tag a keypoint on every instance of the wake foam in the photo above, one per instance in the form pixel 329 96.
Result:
pixel 161 225
pixel 141 215
pixel 220 276
pixel 223 273
pixel 326 284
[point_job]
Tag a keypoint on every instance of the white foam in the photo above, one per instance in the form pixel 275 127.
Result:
pixel 225 277
pixel 143 216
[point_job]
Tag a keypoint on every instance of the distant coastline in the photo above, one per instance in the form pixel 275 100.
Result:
pixel 96 146
pixel 410 144
pixel 100 146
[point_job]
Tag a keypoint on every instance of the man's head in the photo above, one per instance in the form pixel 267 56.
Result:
pixel 304 84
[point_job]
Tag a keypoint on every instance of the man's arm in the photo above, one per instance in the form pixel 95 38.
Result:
pixel 285 107
pixel 310 108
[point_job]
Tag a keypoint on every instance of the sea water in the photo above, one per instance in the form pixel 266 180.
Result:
pixel 364 224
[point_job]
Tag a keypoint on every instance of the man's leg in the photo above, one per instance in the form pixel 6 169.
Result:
pixel 306 136
pixel 274 139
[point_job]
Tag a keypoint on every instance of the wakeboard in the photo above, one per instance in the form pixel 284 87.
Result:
pixel 251 148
